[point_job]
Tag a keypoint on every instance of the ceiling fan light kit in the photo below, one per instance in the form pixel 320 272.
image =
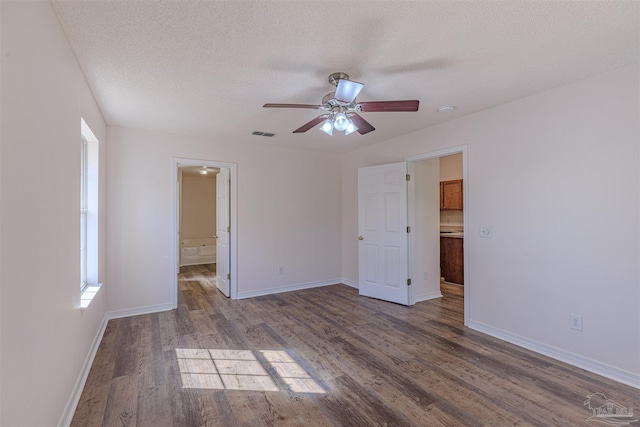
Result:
pixel 351 128
pixel 327 127
pixel 340 121
pixel 343 110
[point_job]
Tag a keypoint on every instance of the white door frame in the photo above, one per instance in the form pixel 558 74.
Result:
pixel 233 217
pixel 461 149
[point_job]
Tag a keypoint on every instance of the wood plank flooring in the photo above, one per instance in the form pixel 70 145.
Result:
pixel 324 357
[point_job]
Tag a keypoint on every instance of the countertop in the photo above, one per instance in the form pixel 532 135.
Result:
pixel 447 230
pixel 454 234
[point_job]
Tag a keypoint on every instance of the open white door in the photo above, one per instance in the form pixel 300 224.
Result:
pixel 382 229
pixel 222 231
pixel 178 222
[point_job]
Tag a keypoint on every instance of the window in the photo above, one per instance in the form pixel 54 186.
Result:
pixel 83 214
pixel 89 283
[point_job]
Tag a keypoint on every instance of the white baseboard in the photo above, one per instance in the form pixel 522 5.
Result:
pixel 148 309
pixel 611 372
pixel 430 295
pixel 288 288
pixel 72 403
pixel 351 283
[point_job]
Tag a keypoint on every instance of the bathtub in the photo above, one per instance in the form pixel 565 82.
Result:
pixel 197 251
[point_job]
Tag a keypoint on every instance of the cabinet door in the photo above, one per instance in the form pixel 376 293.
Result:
pixel 451 199
pixel 452 259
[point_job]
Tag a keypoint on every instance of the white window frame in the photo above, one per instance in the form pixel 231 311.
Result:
pixel 89 196
pixel 84 213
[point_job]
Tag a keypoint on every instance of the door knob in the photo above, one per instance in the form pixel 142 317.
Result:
pixel 360 238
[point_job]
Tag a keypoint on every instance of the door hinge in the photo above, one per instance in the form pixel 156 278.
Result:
pixel 228 229
pixel 228 276
pixel 408 177
pixel 408 229
pixel 408 282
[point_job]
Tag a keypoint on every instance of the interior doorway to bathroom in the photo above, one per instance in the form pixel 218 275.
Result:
pixel 205 223
pixel 197 216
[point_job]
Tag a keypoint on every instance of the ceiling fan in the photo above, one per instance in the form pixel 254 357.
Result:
pixel 342 109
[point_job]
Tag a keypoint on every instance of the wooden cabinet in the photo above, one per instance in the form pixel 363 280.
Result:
pixel 452 259
pixel 451 195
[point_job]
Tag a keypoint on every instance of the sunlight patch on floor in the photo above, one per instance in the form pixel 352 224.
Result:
pixel 197 278
pixel 291 372
pixel 242 370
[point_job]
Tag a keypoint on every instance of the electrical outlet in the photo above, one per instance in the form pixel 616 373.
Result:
pixel 576 323
pixel 280 269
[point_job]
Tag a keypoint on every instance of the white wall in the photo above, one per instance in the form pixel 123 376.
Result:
pixel 288 214
pixel 451 167
pixel 198 210
pixel 556 176
pixel 45 338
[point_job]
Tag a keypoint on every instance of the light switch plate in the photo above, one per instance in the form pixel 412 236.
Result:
pixel 485 231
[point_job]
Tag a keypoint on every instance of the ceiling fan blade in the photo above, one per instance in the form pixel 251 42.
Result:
pixel 362 125
pixel 388 106
pixel 305 127
pixel 347 90
pixel 315 107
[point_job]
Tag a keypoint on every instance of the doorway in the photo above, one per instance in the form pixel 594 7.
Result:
pixel 227 254
pixel 428 219
pixel 197 215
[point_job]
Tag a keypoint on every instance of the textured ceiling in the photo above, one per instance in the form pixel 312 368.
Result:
pixel 205 68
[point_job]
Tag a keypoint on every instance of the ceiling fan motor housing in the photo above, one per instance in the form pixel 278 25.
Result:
pixel 330 103
pixel 334 78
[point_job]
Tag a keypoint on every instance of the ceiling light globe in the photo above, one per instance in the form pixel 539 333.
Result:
pixel 341 121
pixel 327 127
pixel 350 128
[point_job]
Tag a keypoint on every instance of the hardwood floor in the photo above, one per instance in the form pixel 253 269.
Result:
pixel 324 357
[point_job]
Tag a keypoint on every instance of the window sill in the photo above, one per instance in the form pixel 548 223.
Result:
pixel 88 295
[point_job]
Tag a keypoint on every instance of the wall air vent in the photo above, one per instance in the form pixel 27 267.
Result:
pixel 259 133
